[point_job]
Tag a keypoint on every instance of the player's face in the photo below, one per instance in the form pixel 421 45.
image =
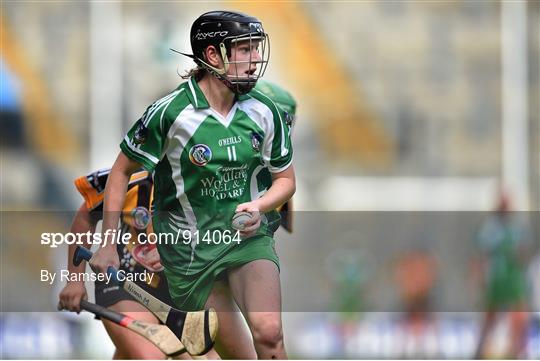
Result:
pixel 244 59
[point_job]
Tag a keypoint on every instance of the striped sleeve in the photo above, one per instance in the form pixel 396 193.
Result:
pixel 145 141
pixel 278 144
pixel 276 149
pixel 92 187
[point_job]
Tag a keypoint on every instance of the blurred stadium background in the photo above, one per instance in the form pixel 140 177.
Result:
pixel 412 117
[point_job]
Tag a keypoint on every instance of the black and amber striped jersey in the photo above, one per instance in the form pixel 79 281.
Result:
pixel 92 188
pixel 135 217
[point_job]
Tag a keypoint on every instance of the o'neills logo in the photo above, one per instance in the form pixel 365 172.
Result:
pixel 200 154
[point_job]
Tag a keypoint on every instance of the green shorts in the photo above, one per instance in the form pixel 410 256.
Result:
pixel 507 290
pixel 190 292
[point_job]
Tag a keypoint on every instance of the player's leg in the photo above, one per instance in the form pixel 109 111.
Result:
pixel 487 325
pixel 128 344
pixel 518 332
pixel 233 340
pixel 256 289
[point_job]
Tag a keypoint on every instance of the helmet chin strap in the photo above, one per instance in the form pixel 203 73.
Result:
pixel 209 67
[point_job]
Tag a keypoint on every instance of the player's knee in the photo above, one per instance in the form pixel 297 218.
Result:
pixel 268 332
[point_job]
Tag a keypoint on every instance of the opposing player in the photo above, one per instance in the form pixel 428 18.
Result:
pixel 206 142
pixel 135 258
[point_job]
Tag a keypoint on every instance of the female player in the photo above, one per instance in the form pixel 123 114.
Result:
pixel 134 219
pixel 206 142
pixel 135 258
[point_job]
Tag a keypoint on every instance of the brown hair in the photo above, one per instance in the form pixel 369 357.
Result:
pixel 198 73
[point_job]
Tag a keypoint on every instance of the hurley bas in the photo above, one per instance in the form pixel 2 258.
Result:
pixel 66 276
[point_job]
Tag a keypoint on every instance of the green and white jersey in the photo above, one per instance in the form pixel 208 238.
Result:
pixel 280 96
pixel 205 164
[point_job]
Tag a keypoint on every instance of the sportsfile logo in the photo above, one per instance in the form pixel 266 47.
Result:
pixel 210 34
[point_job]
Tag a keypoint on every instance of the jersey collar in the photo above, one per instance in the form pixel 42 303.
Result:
pixel 197 98
pixel 243 97
pixel 195 95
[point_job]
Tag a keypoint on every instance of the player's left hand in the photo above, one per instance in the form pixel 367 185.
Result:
pixel 147 256
pixel 253 224
pixel 153 260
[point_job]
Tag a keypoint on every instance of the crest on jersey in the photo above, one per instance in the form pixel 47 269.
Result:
pixel 256 140
pixel 200 154
pixel 139 137
pixel 141 217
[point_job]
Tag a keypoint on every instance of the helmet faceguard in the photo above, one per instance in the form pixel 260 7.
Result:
pixel 243 83
pixel 225 30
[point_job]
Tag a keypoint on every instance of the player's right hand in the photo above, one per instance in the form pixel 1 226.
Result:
pixel 103 258
pixel 251 225
pixel 71 295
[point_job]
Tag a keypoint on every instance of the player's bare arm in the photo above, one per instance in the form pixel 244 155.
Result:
pixel 282 189
pixel 74 291
pixel 115 193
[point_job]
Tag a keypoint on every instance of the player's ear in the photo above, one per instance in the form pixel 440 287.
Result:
pixel 212 56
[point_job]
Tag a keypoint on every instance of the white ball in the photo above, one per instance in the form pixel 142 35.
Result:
pixel 239 219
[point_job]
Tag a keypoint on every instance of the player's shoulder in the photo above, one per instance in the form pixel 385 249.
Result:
pixel 175 96
pixel 93 182
pixel 278 94
pixel 169 105
pixel 262 104
pixel 259 96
